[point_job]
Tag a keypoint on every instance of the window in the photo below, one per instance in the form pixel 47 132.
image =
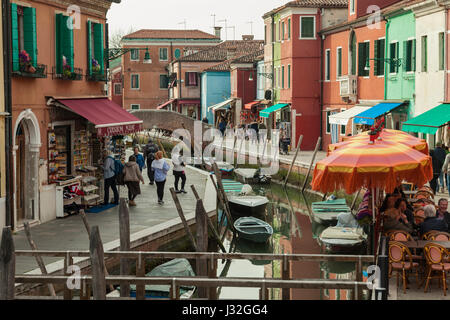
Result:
pixel 135 106
pixel 177 53
pixel 289 29
pixel 363 58
pixel 162 54
pixel 307 27
pixel 135 81
pixel 352 6
pixel 338 62
pixel 282 30
pixel 393 55
pixel 409 55
pixel 64 43
pixel 353 53
pixel 327 65
pixel 424 54
pixel 265 34
pixel 117 89
pixel 279 77
pixel 23 34
pixel 289 77
pixel 163 81
pixel 134 56
pixel 191 79
pixel 441 51
pixel 279 30
pixel 282 77
pixel 95 47
pixel 328 122
pixel 379 57
pixel 342 126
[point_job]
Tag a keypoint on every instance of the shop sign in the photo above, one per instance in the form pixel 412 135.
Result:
pixel 119 130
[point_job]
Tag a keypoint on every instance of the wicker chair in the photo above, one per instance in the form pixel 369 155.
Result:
pixel 400 260
pixel 435 255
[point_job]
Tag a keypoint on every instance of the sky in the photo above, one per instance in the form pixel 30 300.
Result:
pixel 198 14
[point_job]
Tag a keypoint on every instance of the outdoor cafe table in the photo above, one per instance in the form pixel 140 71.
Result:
pixel 420 244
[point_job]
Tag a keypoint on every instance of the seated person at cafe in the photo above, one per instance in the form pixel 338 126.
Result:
pixel 431 222
pixel 388 203
pixel 442 212
pixel 401 204
pixel 395 218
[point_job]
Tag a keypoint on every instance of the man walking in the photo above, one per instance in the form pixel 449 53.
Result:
pixel 110 177
pixel 440 154
pixel 149 154
pixel 139 158
pixel 437 166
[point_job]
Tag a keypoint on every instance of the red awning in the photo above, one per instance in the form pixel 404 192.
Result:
pixel 249 106
pixel 109 118
pixel 165 104
pixel 186 101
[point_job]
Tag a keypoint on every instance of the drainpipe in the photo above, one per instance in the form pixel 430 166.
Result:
pixel 386 74
pixel 445 57
pixel 322 38
pixel 179 84
pixel 7 63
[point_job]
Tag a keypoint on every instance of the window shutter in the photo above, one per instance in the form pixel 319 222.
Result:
pixel 15 37
pixel 98 44
pixel 66 36
pixel 361 62
pixel 413 58
pixel 376 65
pixel 29 28
pixel 58 43
pixel 397 55
pixel 381 56
pixel 405 56
pixel 89 46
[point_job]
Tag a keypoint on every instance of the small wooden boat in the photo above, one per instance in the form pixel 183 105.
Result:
pixel 225 168
pixel 253 229
pixel 174 268
pixel 248 205
pixel 343 239
pixel 326 212
pixel 251 176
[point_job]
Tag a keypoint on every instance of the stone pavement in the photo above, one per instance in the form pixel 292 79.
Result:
pixel 69 233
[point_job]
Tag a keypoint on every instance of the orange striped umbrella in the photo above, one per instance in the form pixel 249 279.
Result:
pixel 386 135
pixel 382 165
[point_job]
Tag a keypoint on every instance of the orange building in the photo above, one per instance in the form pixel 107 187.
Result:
pixel 145 66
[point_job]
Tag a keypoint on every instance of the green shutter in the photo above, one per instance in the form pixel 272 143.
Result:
pixel 353 69
pixel 289 28
pixel 68 47
pixel 441 51
pixel 413 58
pixel 89 46
pixel 366 57
pixel 58 43
pixel 376 64
pixel 405 56
pixel 381 57
pixel 289 76
pixel 29 31
pixel 361 58
pixel 15 37
pixel 339 62
pixel 98 44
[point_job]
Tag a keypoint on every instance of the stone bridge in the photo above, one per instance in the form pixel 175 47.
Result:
pixel 167 121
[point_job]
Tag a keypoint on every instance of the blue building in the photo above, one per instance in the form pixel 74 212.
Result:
pixel 215 88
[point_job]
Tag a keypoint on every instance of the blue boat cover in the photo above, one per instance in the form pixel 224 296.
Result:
pixel 369 116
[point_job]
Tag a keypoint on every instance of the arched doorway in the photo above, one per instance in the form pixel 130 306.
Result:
pixel 352 53
pixel 27 142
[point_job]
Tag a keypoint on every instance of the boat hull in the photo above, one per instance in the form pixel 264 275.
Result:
pixel 253 229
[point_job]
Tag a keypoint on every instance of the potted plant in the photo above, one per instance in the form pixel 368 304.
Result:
pixel 25 62
pixel 67 70
pixel 95 66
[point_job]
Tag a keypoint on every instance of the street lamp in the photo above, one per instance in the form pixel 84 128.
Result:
pixel 147 58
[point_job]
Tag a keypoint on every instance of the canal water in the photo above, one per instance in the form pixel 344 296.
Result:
pixel 294 232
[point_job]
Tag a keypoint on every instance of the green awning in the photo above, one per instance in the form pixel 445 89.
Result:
pixel 430 121
pixel 266 112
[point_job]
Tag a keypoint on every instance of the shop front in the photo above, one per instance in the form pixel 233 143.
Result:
pixel 80 130
pixel 278 117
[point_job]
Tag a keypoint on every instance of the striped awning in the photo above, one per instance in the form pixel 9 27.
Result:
pixel 220 105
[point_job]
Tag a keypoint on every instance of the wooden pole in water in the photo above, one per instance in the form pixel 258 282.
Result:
pixel 7 265
pixel 97 259
pixel 202 244
pixel 293 160
pixel 183 219
pixel 124 230
pixel 219 196
pixel 39 260
pixel 312 161
pixel 88 230
pixel 210 224
pixel 223 194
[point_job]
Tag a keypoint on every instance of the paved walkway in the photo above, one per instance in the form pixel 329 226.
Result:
pixel 70 234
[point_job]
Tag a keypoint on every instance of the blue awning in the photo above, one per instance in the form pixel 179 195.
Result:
pixel 266 112
pixel 369 116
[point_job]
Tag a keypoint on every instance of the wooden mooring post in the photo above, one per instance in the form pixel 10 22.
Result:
pixel 293 160
pixel 39 260
pixel 223 194
pixel 183 219
pixel 319 140
pixel 124 230
pixel 7 265
pixel 202 244
pixel 97 258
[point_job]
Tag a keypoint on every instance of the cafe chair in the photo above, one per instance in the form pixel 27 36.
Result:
pixel 400 260
pixel 429 234
pixel 400 235
pixel 435 255
pixel 440 236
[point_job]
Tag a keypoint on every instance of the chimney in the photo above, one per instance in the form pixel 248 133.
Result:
pixel 248 37
pixel 217 31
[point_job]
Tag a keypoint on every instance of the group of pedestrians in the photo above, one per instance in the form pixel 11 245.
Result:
pixel 441 172
pixel 130 174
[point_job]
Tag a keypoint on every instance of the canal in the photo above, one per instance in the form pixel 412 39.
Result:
pixel 294 232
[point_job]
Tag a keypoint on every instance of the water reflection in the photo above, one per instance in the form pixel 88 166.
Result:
pixel 294 232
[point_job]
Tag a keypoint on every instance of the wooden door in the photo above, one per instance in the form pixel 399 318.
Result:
pixel 20 177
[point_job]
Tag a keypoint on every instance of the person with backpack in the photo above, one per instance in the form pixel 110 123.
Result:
pixel 132 176
pixel 139 158
pixel 109 175
pixel 178 171
pixel 161 168
pixel 149 154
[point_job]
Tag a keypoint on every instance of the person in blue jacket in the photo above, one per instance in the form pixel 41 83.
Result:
pixel 139 159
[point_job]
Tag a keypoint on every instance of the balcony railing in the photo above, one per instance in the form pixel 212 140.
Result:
pixel 39 71
pixel 76 74
pixel 97 76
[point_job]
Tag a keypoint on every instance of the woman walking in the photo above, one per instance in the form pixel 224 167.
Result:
pixel 132 176
pixel 161 167
pixel 178 171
